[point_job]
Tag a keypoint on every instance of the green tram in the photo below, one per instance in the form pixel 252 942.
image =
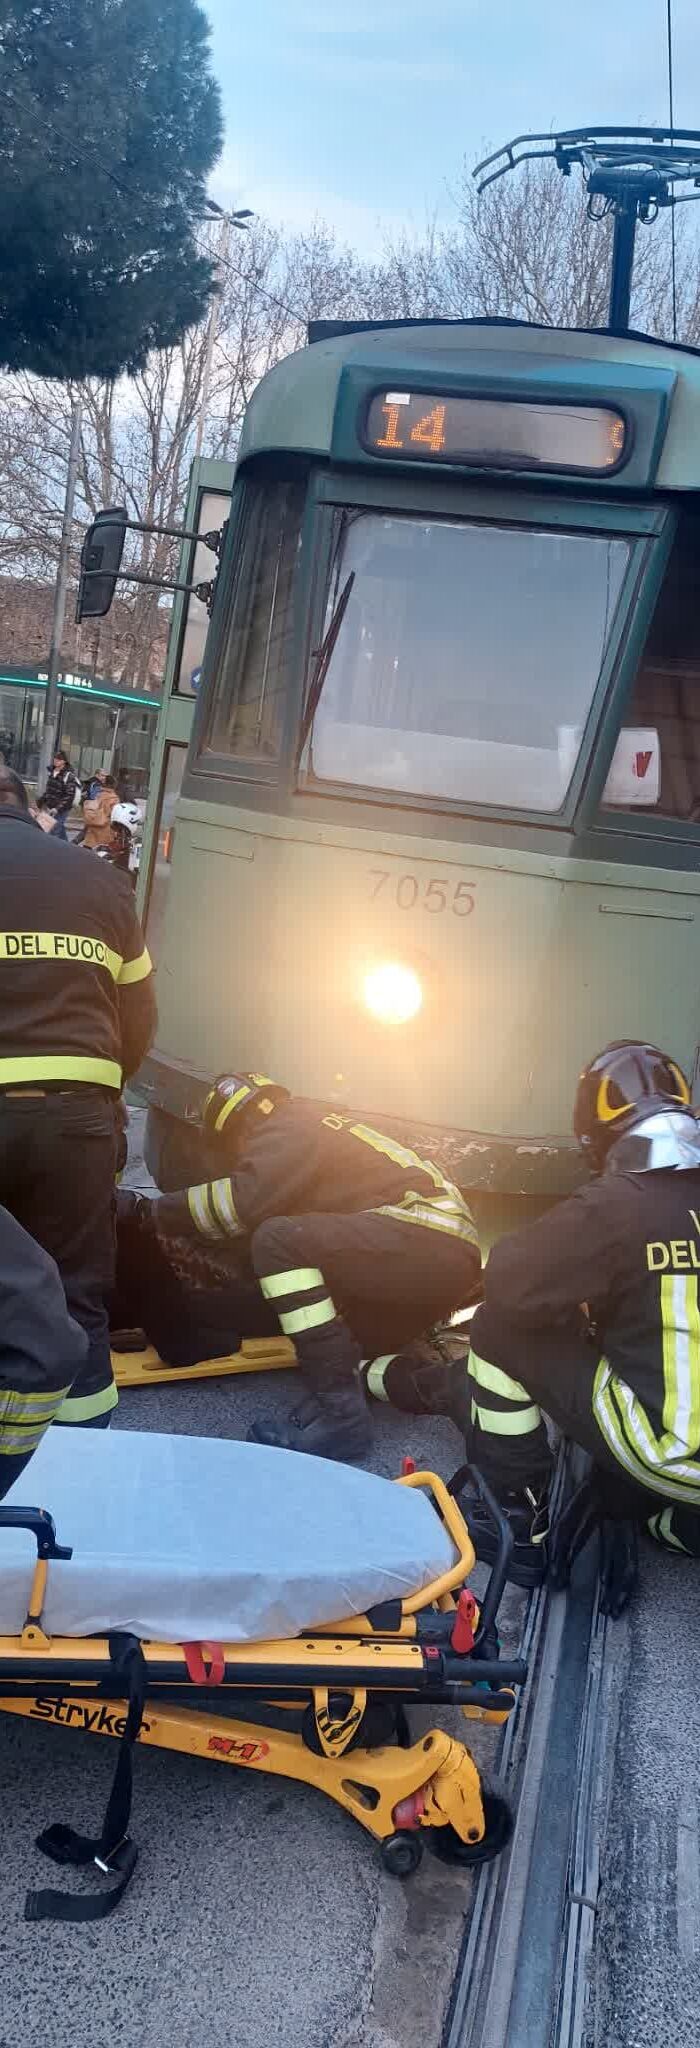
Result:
pixel 438 834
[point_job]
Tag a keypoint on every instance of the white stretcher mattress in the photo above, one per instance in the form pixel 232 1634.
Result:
pixel 179 1538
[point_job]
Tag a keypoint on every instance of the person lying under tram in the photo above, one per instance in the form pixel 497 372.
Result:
pixel 355 1245
pixel 593 1312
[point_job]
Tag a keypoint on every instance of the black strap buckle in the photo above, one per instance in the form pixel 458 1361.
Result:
pixel 112 1852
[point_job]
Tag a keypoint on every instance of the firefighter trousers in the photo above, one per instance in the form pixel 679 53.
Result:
pixel 345 1288
pixel 57 1165
pixel 41 1348
pixel 514 1373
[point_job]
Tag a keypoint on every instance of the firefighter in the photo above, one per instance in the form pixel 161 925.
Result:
pixel 41 1348
pixel 594 1312
pixel 357 1245
pixel 77 1014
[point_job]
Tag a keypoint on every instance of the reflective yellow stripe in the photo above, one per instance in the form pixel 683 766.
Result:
pixel 299 1281
pixel 295 1319
pixel 234 1102
pixel 198 1205
pixel 632 1441
pixel 432 1215
pixel 659 1527
pixel 77 1408
pixel 135 970
pixel 59 1067
pixel 669 1351
pixel 31 1405
pixel 657 1453
pixel 487 1375
pixel 402 1156
pixel 69 949
pixel 15 1412
pixel 23 1442
pixel 520 1422
pixel 375 1376
pixel 680 1321
pixel 223 1204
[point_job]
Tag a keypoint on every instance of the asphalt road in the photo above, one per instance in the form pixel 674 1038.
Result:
pixel 259 1913
pixel 646 1965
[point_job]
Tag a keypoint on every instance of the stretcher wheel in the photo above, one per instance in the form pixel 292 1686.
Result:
pixel 381 1724
pixel 450 1848
pixel 401 1853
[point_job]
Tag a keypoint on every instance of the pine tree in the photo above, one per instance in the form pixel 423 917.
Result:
pixel 109 124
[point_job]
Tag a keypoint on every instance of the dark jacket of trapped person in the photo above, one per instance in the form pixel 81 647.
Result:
pixel 357 1244
pixel 594 1313
pixel 41 1349
pixel 77 1014
pixel 60 792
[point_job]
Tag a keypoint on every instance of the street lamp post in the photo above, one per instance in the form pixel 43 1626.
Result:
pixel 227 222
pixel 48 741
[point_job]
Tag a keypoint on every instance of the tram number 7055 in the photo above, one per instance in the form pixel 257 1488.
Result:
pixel 414 892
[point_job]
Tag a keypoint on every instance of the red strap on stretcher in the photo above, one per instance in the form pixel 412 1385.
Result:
pixel 199 1672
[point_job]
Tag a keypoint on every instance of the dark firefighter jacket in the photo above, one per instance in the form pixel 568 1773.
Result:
pixel 307 1158
pixel 628 1247
pixel 76 984
pixel 41 1348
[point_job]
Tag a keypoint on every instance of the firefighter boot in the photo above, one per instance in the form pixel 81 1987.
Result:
pixel 527 1512
pixel 331 1422
pixel 422 1380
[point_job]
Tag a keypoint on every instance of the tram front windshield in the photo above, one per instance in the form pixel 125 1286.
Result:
pixel 466 657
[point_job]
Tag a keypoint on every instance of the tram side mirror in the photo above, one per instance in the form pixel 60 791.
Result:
pixel 100 563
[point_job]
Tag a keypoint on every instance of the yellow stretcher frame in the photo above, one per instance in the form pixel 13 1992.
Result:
pixel 335 1676
pixel 257 1354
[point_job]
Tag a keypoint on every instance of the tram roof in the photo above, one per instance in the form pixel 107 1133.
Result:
pixel 293 407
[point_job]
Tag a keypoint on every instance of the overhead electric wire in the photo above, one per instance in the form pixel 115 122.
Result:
pixel 260 290
pixel 669 52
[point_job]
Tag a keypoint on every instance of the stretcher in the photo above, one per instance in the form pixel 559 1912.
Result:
pixel 261 1609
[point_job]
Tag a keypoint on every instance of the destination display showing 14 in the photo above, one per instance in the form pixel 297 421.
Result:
pixel 423 426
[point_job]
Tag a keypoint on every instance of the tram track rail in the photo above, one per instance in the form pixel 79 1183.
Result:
pixel 524 1976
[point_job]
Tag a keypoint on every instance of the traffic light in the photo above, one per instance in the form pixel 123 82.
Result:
pixel 100 563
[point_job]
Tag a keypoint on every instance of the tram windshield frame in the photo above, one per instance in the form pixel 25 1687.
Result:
pixel 333 501
pixel 465 658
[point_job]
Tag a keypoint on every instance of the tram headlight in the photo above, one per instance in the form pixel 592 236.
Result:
pixel 392 993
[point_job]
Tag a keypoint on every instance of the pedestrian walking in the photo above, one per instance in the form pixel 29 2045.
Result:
pixel 60 792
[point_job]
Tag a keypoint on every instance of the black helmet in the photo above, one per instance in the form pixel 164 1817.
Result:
pixel 620 1087
pixel 234 1093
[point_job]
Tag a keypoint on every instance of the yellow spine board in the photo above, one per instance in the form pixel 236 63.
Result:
pixel 257 1354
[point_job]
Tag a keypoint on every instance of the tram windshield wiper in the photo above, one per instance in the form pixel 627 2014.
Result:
pixel 487 458
pixel 323 660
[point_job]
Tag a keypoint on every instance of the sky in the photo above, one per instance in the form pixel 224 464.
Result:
pixel 360 112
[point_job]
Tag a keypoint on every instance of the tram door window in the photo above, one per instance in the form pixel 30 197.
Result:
pixel 246 711
pixel 175 758
pixel 211 513
pixel 656 767
pixel 12 706
pixel 466 659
